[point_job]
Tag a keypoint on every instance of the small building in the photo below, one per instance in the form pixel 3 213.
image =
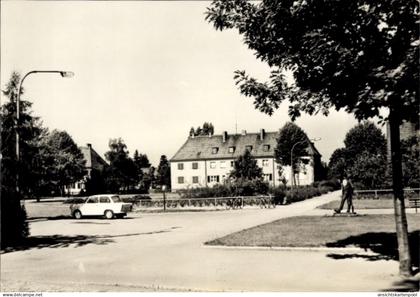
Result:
pixel 93 161
pixel 208 160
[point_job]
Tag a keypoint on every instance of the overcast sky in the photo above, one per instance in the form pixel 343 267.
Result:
pixel 144 71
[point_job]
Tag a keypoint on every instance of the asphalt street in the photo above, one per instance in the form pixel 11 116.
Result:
pixel 165 251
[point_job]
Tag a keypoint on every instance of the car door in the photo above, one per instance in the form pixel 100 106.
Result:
pixel 104 204
pixel 90 208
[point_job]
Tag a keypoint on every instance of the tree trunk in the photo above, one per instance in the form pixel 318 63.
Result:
pixel 397 185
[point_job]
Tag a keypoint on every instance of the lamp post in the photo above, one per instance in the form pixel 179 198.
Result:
pixel 164 197
pixel 292 176
pixel 63 74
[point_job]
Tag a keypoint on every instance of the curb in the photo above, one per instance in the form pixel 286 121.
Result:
pixel 289 249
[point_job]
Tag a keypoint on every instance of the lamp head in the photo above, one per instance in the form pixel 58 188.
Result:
pixel 66 73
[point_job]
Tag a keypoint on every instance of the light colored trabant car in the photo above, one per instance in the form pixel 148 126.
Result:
pixel 106 205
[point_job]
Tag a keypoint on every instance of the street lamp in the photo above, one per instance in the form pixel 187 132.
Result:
pixel 292 176
pixel 63 74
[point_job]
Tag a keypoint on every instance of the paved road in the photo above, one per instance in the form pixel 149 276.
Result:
pixel 166 252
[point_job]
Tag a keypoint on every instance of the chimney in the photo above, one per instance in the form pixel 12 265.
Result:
pixel 262 134
pixel 224 135
pixel 89 146
pixel 243 132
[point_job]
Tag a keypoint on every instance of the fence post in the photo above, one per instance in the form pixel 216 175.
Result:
pixel 376 194
pixel 242 202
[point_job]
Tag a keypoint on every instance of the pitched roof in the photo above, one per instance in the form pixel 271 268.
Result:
pixel 201 147
pixel 93 159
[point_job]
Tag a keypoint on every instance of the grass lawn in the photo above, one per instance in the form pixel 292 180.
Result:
pixel 319 231
pixel 46 209
pixel 363 204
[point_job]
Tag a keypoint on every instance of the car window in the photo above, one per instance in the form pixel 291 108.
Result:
pixel 116 198
pixel 93 200
pixel 104 199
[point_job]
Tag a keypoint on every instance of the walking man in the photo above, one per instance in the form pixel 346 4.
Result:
pixel 347 194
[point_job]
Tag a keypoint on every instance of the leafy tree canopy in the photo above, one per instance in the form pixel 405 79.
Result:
pixel 354 55
pixel 208 129
pixel 63 162
pixel 122 172
pixel 245 167
pixel 30 133
pixel 291 136
pixel 363 158
pixel 164 172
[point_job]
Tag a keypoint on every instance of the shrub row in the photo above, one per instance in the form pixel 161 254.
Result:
pixel 284 195
pixel 281 194
pixel 241 187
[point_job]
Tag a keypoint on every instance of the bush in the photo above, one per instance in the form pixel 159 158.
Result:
pixel 237 187
pixel 331 183
pixel 305 192
pixel 278 193
pixel 14 228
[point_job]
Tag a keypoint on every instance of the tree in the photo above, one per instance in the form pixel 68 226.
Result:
pixel 363 157
pixel 141 160
pixel 95 183
pixel 337 164
pixel 122 172
pixel 360 56
pixel 411 161
pixel 13 215
pixel 208 129
pixel 245 166
pixel 365 137
pixel 291 136
pixel 63 162
pixel 164 172
pixel 138 163
pixel 30 133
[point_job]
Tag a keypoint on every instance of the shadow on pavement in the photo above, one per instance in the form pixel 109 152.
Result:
pixel 63 217
pixel 384 245
pixel 63 241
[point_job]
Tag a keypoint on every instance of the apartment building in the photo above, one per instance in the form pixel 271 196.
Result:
pixel 208 160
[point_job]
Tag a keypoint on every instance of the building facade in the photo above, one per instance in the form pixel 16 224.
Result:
pixel 93 162
pixel 208 160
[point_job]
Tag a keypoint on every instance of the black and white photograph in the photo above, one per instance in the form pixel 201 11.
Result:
pixel 216 146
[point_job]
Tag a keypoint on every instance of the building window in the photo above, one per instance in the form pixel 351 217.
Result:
pixel 231 149
pixel 266 147
pixel 265 163
pixel 248 148
pixel 195 180
pixel 268 177
pixel 222 164
pixel 180 179
pixel 195 165
pixel 213 165
pixel 214 150
pixel 213 178
pixel 180 166
pixel 232 164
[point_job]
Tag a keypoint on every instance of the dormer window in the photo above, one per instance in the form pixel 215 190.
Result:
pixel 231 149
pixel 248 148
pixel 266 147
pixel 214 150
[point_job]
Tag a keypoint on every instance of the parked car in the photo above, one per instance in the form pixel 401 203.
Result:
pixel 107 205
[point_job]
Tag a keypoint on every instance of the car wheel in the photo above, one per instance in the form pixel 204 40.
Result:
pixel 77 214
pixel 109 214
